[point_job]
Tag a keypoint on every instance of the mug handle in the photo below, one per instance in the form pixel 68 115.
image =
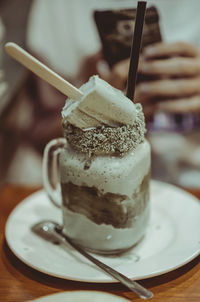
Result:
pixel 50 170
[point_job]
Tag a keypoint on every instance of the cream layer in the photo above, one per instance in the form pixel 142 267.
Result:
pixel 104 238
pixel 119 175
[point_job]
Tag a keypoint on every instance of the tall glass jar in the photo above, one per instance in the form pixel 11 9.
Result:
pixel 105 204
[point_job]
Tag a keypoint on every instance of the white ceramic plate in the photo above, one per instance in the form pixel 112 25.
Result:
pixel 172 239
pixel 81 296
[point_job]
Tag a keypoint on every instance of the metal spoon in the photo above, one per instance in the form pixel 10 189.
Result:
pixel 52 231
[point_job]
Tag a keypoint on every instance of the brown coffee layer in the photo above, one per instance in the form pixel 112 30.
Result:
pixel 109 208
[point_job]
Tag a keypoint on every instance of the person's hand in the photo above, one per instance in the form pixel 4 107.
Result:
pixel 117 75
pixel 175 68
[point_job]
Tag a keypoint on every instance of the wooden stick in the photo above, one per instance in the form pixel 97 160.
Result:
pixel 42 71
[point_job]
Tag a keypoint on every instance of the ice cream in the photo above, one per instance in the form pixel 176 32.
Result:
pixel 104 121
pixel 104 169
pixel 100 104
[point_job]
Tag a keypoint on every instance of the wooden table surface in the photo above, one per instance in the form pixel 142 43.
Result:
pixel 19 283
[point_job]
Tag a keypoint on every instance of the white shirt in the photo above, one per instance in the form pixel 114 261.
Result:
pixel 64 32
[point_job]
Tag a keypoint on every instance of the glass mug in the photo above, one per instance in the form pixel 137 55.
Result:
pixel 105 206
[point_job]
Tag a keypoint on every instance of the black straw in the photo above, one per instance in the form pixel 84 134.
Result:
pixel 135 49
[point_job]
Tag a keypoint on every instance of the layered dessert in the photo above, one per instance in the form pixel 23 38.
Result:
pixel 105 169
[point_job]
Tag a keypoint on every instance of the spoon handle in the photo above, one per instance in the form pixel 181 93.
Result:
pixel 41 70
pixel 132 285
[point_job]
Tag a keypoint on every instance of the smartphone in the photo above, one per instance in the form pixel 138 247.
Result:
pixel 116 28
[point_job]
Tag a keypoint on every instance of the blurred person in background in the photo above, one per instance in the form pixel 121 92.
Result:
pixel 64 36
